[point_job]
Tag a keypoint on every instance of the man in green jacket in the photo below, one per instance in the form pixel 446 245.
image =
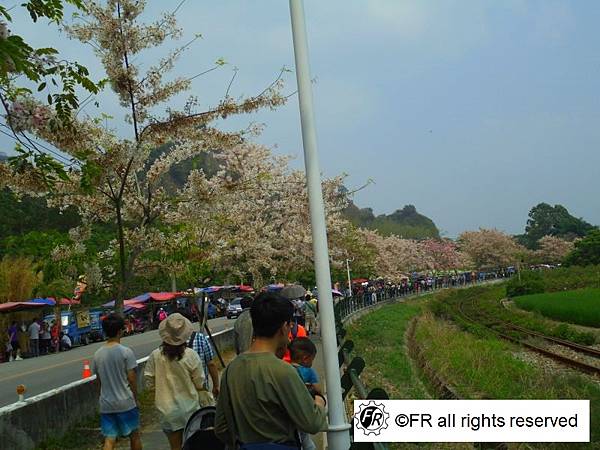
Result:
pixel 262 398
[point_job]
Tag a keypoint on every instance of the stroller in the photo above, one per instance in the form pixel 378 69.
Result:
pixel 199 432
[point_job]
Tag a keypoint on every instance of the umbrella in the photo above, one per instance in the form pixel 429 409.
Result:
pixel 274 287
pixel 211 289
pixel 293 291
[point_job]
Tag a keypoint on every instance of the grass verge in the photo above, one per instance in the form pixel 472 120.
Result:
pixel 581 306
pixel 379 339
pixel 486 368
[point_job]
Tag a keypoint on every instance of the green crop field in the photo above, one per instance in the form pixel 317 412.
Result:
pixel 581 306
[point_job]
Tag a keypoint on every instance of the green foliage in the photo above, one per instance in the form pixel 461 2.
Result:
pixel 483 304
pixel 569 278
pixel 546 220
pixel 581 306
pixel 405 222
pixel 529 283
pixel 22 215
pixel 379 339
pixel 586 252
pixel 18 278
pixel 487 368
pixel 35 244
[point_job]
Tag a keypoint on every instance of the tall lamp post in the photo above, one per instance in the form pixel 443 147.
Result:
pixel 338 436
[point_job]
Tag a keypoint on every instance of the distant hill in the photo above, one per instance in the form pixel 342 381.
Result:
pixel 405 222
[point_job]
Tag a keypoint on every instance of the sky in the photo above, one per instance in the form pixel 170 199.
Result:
pixel 473 111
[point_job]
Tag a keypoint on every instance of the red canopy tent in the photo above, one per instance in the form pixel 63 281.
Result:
pixel 19 306
pixel 165 296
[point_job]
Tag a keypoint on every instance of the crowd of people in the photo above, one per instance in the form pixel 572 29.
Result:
pixel 269 394
pixel 33 339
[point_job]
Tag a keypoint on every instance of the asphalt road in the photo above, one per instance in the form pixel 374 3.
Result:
pixel 51 371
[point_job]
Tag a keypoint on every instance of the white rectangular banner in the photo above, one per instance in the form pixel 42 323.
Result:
pixel 471 421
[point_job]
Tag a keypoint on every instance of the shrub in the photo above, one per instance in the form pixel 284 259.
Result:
pixel 530 283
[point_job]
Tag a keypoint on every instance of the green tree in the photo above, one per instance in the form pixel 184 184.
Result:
pixel 23 214
pixel 21 66
pixel 586 252
pixel 547 220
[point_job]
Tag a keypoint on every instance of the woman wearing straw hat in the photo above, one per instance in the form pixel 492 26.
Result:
pixel 176 373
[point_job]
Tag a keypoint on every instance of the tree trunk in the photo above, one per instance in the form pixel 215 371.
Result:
pixel 173 282
pixel 122 262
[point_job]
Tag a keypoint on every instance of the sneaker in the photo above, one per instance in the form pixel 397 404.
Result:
pixel 18 358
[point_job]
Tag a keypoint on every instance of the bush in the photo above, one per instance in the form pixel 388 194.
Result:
pixel 530 283
pixel 587 251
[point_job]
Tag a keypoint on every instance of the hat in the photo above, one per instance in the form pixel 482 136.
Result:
pixel 175 329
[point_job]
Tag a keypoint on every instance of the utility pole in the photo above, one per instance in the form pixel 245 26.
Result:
pixel 338 436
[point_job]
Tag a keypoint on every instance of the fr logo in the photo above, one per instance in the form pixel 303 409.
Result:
pixel 371 418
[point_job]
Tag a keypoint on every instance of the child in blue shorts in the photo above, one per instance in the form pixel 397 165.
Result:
pixel 302 353
pixel 114 366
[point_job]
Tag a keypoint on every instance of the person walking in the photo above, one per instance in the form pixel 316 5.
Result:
pixel 201 345
pixel 13 342
pixel 34 338
pixel 311 315
pixel 262 398
pixel 45 339
pixel 55 336
pixel 176 374
pixel 114 365
pixel 242 328
pixel 23 337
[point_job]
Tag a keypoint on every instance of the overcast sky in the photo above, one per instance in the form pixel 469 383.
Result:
pixel 473 111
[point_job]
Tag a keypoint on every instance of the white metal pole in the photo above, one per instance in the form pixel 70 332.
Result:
pixel 338 436
pixel 349 280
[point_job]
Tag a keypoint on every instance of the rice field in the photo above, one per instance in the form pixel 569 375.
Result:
pixel 581 306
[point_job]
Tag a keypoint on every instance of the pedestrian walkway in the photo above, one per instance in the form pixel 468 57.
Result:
pixel 319 365
pixel 154 439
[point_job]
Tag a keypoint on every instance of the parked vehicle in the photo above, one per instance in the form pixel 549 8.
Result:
pixel 82 326
pixel 234 309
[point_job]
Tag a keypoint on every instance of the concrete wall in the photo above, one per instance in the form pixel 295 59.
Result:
pixel 51 414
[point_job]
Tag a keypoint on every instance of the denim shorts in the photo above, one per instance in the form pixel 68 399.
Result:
pixel 122 424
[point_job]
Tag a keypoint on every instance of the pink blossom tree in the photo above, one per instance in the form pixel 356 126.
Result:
pixel 553 250
pixel 489 248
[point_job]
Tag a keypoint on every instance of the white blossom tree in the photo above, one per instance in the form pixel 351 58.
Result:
pixel 114 179
pixel 251 218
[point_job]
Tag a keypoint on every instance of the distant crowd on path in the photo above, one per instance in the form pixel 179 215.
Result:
pixel 34 338
pixel 268 397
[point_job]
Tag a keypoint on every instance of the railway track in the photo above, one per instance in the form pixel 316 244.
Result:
pixel 500 329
